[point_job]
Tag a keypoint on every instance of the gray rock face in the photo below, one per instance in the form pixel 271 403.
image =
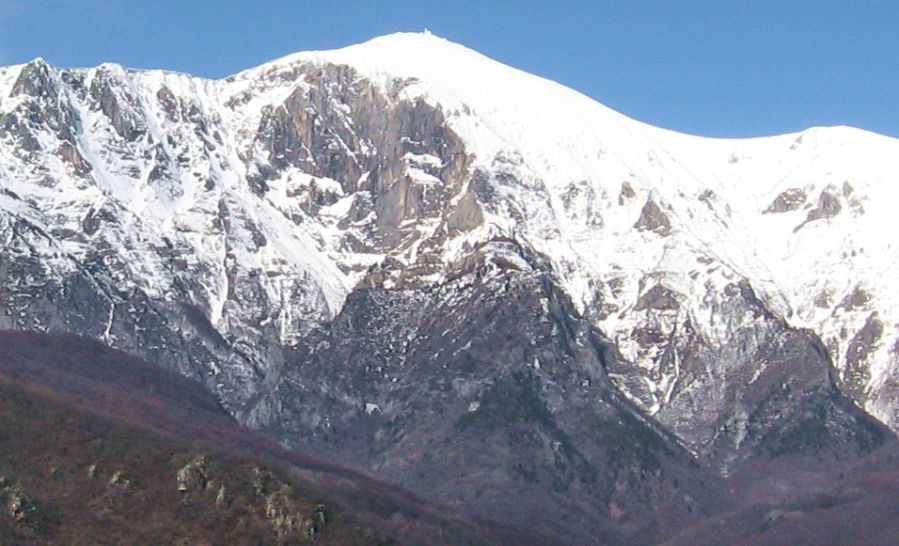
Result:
pixel 732 399
pixel 653 219
pixel 789 200
pixel 487 393
pixel 828 207
pixel 856 375
pixel 83 299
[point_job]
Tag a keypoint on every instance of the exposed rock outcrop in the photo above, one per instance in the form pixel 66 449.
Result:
pixel 653 219
pixel 787 201
pixel 20 507
pixel 192 476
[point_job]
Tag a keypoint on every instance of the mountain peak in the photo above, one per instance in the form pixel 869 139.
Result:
pixel 409 38
pixel 421 55
pixel 37 61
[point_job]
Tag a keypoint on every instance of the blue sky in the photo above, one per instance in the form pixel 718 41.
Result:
pixel 718 68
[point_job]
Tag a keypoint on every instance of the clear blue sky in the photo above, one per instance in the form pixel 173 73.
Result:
pixel 712 67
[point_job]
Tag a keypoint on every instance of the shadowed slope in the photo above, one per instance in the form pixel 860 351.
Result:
pixel 70 404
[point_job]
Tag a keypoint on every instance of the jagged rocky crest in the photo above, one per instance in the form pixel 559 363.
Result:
pixel 422 263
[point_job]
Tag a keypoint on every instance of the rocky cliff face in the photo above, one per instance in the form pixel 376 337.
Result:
pixel 444 271
pixel 491 393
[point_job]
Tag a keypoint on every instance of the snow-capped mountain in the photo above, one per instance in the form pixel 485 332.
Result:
pixel 619 207
pixel 245 230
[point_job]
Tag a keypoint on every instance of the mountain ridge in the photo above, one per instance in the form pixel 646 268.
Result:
pixel 566 232
pixel 336 243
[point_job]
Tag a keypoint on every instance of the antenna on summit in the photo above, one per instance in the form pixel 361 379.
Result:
pixel 427 32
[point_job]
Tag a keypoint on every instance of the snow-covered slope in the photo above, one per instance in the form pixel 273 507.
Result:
pixel 817 210
pixel 266 197
pixel 807 218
